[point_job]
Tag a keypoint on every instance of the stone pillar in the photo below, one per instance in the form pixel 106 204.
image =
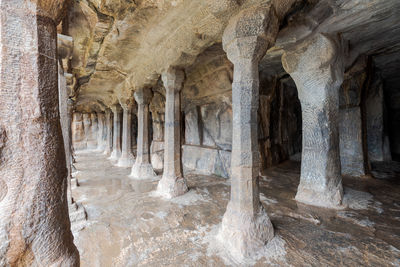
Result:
pixel 100 131
pixel 116 148
pixel 172 183
pixel 34 222
pixel 92 131
pixel 86 128
pixel 353 158
pixel 64 52
pixel 78 131
pixel 317 69
pixel 126 159
pixel 142 169
pixel 377 138
pixel 157 109
pixel 246 227
pixel 109 132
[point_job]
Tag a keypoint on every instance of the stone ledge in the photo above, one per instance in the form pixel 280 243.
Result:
pixel 207 161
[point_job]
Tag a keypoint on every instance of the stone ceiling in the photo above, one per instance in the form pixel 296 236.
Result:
pixel 123 45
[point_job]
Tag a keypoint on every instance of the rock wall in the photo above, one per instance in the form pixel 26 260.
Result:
pixel 208 114
pixel 280 120
pixel 377 137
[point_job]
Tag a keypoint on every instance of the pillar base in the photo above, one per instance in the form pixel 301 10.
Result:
pixel 170 188
pixel 100 149
pixel 243 234
pixel 329 198
pixel 126 161
pixel 142 171
pixel 114 155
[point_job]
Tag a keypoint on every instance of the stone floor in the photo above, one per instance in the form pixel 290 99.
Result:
pixel 129 226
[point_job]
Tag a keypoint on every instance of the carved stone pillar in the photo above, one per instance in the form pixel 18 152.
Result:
pixel 109 132
pixel 64 52
pixel 86 128
pixel 100 131
pixel 116 148
pixel 317 68
pixel 246 227
pixel 142 169
pixel 172 183
pixel 353 158
pixel 157 109
pixel 126 159
pixel 34 222
pixel 92 141
pixel 78 131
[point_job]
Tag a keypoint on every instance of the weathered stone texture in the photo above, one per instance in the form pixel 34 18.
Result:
pixel 378 141
pixel 246 227
pixel 78 132
pixel 317 68
pixel 279 119
pixel 33 205
pixel 207 161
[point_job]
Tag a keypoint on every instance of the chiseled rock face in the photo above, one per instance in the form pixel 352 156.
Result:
pixel 317 67
pixel 33 174
pixel 352 157
pixel 207 161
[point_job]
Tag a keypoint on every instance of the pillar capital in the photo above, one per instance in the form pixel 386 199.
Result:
pixel 222 8
pixel 173 79
pixel 51 9
pixel 128 105
pixel 65 45
pixel 143 96
pixel 320 59
pixel 116 108
pixel 250 33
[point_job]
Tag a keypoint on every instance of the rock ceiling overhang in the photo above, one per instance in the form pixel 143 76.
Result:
pixel 123 45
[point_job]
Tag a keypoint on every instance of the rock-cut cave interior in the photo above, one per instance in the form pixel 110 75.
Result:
pixel 199 133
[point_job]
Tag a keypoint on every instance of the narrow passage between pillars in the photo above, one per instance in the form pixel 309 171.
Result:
pixel 142 169
pixel 172 183
pixel 317 68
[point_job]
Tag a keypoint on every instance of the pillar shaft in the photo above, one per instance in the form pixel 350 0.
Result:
pixel 246 227
pixel 172 137
pixel 126 159
pixel 100 131
pixel 78 131
pixel 109 132
pixel 143 155
pixel 116 152
pixel 34 221
pixel 142 169
pixel 245 161
pixel 172 183
pixel 317 69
